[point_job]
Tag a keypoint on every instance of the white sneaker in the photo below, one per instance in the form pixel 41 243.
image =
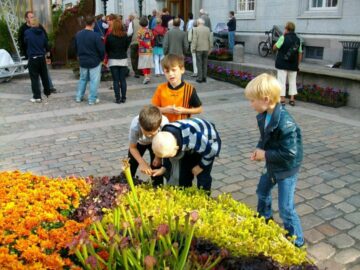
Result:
pixel 96 102
pixel 146 80
pixel 35 100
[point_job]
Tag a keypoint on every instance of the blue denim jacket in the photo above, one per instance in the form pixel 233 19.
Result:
pixel 282 142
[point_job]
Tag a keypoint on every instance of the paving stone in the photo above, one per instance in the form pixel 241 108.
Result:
pixel 321 251
pixel 341 224
pixel 307 194
pixel 345 192
pixel 304 209
pixel 249 190
pixel 347 256
pixel 345 207
pixel 342 241
pixel 354 200
pixel 318 203
pixel 230 188
pixel 328 213
pixel 327 229
pixel 333 198
pixel 331 265
pixel 355 232
pixel 337 183
pixel 234 179
pixel 310 221
pixel 313 236
pixel 353 217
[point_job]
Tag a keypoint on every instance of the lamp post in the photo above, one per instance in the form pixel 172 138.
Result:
pixel 104 3
pixel 140 7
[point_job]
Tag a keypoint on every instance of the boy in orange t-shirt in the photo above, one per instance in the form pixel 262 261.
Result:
pixel 176 99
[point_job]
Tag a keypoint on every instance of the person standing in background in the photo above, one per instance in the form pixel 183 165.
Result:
pixel 158 52
pixel 201 45
pixel 205 16
pixel 190 29
pixel 90 50
pixel 133 28
pixel 36 47
pixel 152 21
pixel 287 61
pixel 145 40
pixel 116 47
pixel 231 30
pixel 175 41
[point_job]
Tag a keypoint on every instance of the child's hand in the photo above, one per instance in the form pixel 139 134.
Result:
pixel 179 110
pixel 196 170
pixel 156 162
pixel 258 155
pixel 158 172
pixel 169 109
pixel 145 168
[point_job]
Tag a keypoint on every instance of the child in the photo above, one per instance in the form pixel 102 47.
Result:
pixel 145 39
pixel 189 148
pixel 280 146
pixel 142 129
pixel 176 99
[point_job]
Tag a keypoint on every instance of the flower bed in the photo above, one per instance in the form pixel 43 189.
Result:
pixel 326 96
pixel 34 224
pixel 132 227
pixel 221 54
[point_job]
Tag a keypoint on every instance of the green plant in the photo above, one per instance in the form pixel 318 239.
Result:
pixel 127 239
pixel 5 38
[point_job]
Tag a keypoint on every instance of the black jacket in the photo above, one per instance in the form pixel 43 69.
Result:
pixel 290 40
pixel 21 35
pixel 232 24
pixel 282 142
pixel 116 47
pixel 36 42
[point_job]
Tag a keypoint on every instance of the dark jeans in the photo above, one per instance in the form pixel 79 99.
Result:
pixel 202 62
pixel 118 74
pixel 37 67
pixel 134 55
pixel 187 163
pixel 157 180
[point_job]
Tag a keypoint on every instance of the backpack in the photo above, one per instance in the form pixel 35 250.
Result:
pixel 292 53
pixel 159 40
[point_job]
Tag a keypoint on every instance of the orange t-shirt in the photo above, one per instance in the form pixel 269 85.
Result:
pixel 183 95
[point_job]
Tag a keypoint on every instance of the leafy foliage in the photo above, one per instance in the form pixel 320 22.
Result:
pixel 5 38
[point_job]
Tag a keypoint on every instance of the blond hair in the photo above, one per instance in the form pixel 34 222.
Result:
pixel 264 85
pixel 164 144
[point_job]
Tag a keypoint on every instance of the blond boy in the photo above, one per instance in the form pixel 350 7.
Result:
pixel 280 146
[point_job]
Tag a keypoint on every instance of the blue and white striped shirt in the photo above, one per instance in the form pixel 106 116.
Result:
pixel 200 136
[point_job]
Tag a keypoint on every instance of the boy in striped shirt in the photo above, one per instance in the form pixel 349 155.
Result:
pixel 188 148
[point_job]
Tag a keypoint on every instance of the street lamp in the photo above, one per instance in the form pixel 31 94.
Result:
pixel 104 3
pixel 140 7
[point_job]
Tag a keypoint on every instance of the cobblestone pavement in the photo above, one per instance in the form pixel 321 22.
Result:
pixel 60 137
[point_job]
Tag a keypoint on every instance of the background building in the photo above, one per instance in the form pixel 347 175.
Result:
pixel 321 23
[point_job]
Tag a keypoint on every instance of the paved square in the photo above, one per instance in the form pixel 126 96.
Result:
pixel 61 137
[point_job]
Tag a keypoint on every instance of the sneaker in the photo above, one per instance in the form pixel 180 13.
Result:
pixel 194 75
pixel 146 80
pixel 78 100
pixel 35 100
pixel 53 90
pixel 96 102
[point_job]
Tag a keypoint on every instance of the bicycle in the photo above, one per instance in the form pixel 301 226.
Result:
pixel 265 47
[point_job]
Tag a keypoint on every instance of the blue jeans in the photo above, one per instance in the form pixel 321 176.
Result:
pixel 286 189
pixel 89 74
pixel 118 74
pixel 231 40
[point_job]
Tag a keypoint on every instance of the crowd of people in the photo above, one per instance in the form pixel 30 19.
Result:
pixel 181 146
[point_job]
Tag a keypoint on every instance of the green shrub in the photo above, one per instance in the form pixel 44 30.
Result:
pixel 5 38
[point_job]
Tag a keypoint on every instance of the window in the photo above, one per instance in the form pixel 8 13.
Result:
pixel 316 4
pixel 312 52
pixel 245 5
pixel 320 9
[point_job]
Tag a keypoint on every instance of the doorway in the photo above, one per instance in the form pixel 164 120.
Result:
pixel 179 7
